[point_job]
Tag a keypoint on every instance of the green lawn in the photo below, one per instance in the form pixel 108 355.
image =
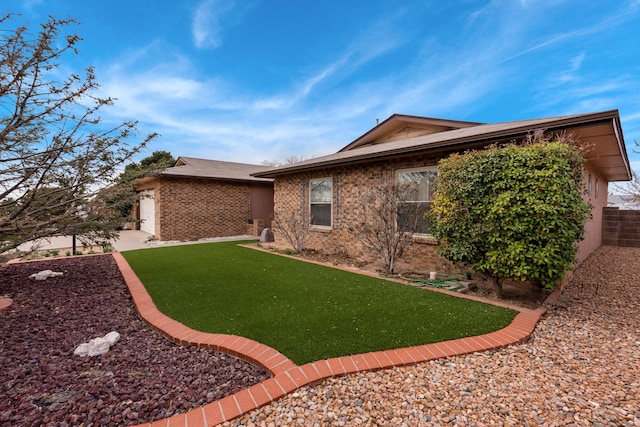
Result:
pixel 306 311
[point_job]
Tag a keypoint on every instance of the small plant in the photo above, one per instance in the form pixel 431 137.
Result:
pixel 51 252
pixel 106 246
pixel 294 226
pixel 289 252
pixel 91 252
pixel 68 253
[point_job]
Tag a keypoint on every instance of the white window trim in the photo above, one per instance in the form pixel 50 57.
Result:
pixel 321 227
pixel 427 237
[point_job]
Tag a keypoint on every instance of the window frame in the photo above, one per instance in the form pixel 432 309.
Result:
pixel 330 203
pixel 399 172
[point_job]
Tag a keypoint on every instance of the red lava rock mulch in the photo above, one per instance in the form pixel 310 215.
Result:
pixel 144 377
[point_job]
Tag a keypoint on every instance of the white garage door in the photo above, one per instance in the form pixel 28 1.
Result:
pixel 147 212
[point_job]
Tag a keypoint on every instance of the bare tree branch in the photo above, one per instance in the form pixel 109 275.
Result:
pixel 379 211
pixel 294 226
pixel 55 152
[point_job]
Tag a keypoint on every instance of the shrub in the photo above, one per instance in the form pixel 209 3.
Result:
pixel 512 212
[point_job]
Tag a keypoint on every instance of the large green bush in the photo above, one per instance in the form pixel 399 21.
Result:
pixel 512 212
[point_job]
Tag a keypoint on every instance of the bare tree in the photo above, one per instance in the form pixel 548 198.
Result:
pixel 631 190
pixel 55 152
pixel 385 222
pixel 294 226
pixel 294 158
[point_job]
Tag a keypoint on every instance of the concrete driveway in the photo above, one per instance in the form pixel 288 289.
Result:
pixel 128 240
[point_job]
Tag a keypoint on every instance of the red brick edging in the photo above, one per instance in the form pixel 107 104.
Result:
pixel 4 303
pixel 286 375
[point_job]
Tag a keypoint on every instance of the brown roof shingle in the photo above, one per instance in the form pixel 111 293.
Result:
pixel 191 167
pixel 460 137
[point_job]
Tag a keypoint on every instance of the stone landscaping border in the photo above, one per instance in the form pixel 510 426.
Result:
pixel 286 376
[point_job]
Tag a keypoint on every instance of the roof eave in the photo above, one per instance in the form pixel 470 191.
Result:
pixel 216 178
pixel 617 127
pixel 497 135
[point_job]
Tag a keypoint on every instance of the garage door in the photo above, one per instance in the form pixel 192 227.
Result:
pixel 147 212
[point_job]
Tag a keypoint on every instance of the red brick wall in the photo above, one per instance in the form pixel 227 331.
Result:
pixel 292 195
pixel 191 209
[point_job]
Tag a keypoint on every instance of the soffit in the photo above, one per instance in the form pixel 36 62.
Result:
pixel 605 150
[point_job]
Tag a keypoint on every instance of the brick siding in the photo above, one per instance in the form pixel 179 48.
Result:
pixel 191 209
pixel 621 227
pixel 292 195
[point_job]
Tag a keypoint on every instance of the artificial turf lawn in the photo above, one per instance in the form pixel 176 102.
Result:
pixel 306 311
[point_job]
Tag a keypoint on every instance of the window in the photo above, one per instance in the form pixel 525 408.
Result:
pixel 320 198
pixel 589 186
pixel 422 180
pixel 596 189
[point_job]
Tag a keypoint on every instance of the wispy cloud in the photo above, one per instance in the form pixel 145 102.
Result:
pixel 212 17
pixel 206 22
pixel 316 114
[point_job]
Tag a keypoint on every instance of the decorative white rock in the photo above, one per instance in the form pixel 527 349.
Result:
pixel 113 337
pixel 82 350
pixel 44 275
pixel 97 346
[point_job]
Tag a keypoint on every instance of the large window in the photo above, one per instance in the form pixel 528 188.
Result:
pixel 320 198
pixel 421 181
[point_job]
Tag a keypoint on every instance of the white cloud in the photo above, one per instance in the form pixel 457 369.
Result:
pixel 206 26
pixel 212 17
pixel 315 115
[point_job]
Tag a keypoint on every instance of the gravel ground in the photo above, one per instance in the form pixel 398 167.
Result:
pixel 144 377
pixel 581 367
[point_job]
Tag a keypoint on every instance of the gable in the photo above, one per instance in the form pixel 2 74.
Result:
pixel 400 126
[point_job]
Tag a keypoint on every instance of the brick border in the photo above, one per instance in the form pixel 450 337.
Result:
pixel 4 303
pixel 286 375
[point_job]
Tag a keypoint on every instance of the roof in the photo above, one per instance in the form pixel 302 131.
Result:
pixel 400 124
pixel 191 167
pixel 603 129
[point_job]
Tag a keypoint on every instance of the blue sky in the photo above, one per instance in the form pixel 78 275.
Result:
pixel 250 80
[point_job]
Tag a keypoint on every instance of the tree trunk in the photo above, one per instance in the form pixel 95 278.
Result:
pixel 496 283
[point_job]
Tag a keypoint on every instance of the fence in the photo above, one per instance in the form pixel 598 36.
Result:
pixel 621 227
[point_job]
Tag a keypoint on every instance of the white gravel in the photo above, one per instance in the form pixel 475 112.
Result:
pixel 581 367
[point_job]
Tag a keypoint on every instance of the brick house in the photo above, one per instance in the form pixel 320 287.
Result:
pixel 199 198
pixel 325 189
